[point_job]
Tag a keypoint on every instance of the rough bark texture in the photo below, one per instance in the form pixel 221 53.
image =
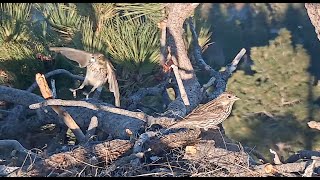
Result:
pixel 177 14
pixel 313 10
pixel 80 157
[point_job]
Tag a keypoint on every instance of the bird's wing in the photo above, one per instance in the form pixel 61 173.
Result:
pixel 215 112
pixel 113 83
pixel 82 57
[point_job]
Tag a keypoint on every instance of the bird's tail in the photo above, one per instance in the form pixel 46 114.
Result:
pixel 113 84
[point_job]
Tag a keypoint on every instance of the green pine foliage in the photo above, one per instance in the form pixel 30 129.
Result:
pixel 277 101
pixel 127 33
pixel 17 45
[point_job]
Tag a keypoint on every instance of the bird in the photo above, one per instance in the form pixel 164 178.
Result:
pixel 210 114
pixel 99 71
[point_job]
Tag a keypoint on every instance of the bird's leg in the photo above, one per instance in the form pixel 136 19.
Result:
pixel 74 91
pixel 96 95
pixel 87 94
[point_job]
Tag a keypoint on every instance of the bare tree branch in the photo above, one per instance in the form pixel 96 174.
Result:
pixel 177 14
pixel 314 15
pixel 67 119
pixel 139 115
pixel 220 77
pixel 18 109
pixel 182 90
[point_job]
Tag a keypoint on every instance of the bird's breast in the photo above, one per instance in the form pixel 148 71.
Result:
pixel 96 74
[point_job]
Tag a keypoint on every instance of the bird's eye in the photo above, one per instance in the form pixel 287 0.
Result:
pixel 229 96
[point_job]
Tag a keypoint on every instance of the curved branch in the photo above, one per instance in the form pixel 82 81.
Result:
pixel 56 72
pixel 139 115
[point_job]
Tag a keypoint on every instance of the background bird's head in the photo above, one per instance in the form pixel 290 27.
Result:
pixel 227 98
pixel 97 57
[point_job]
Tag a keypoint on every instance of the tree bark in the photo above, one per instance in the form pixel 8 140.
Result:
pixel 177 14
pixel 313 10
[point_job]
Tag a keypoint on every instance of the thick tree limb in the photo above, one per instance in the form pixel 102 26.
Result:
pixel 313 10
pixel 163 54
pixel 287 168
pixel 16 111
pixel 23 98
pixel 173 140
pixel 305 154
pixel 139 115
pixel 177 13
pixel 15 145
pixel 67 119
pixel 18 96
pixel 220 77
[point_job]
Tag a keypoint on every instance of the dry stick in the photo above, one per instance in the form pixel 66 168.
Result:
pixel 183 93
pixel 67 119
pixel 276 158
pixel 53 87
pixel 92 128
pixel 230 68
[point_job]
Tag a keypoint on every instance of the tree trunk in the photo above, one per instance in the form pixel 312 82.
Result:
pixel 313 10
pixel 177 14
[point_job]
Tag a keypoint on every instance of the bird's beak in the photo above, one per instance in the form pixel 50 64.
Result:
pixel 236 98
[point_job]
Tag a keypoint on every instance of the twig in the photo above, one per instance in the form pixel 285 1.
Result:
pixel 6 170
pixel 256 153
pixel 183 93
pixel 4 111
pixel 142 139
pixel 233 66
pixel 92 128
pixel 53 73
pixel 53 87
pixel 67 119
pixel 276 158
pixel 208 84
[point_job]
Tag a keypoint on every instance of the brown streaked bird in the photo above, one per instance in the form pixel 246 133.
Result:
pixel 210 114
pixel 99 71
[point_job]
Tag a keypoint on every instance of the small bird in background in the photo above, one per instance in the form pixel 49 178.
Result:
pixel 210 114
pixel 99 71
